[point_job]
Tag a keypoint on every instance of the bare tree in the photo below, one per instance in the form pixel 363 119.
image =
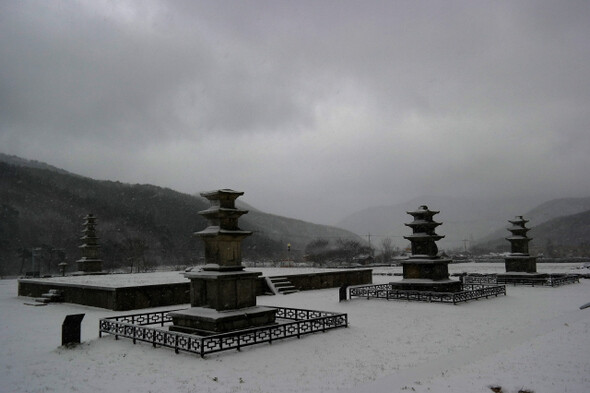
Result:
pixel 135 249
pixel 387 250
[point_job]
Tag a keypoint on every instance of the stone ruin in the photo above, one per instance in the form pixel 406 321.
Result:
pixel 426 273
pixel 425 270
pixel 519 259
pixel 223 295
pixel 520 265
pixel 223 314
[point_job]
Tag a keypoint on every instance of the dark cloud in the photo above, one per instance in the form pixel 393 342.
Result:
pixel 314 109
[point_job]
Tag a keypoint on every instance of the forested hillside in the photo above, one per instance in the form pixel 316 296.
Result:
pixel 566 236
pixel 139 225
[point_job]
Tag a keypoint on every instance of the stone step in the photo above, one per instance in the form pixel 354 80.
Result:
pixel 53 295
pixel 34 304
pixel 287 290
pixel 273 279
pixel 281 285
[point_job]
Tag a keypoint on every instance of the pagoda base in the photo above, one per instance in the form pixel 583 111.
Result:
pixel 223 290
pixel 426 285
pixel 428 274
pixel 89 266
pixel 522 278
pixel 83 273
pixel 520 264
pixel 205 321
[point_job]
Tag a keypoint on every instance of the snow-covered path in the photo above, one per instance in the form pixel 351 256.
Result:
pixel 536 338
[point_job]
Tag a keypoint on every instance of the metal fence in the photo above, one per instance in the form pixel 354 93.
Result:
pixel 468 292
pixel 302 322
pixel 556 280
pixel 550 280
pixel 486 279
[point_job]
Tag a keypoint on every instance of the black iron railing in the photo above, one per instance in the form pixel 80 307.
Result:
pixel 468 292
pixel 556 280
pixel 486 279
pixel 550 280
pixel 302 322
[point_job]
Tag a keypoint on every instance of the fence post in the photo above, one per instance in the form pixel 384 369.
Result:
pixel 342 293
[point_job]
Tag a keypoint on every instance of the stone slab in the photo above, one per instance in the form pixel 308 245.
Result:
pixel 207 321
pixel 427 285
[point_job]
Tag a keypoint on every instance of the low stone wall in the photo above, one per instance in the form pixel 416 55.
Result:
pixel 147 296
pixel 158 295
pixel 335 279
pixel 117 299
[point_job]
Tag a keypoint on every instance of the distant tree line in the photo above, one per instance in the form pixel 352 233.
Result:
pixel 323 251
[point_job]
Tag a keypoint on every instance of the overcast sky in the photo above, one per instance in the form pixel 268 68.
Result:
pixel 315 109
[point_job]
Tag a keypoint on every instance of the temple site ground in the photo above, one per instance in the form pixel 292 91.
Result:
pixel 535 339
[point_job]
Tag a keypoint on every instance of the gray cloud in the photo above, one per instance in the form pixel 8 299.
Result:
pixel 313 109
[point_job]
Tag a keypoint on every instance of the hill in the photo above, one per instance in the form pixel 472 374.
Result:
pixel 465 220
pixel 43 207
pixel 18 161
pixel 558 237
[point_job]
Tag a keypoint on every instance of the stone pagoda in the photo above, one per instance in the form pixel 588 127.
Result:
pixel 425 270
pixel 90 263
pixel 519 263
pixel 223 295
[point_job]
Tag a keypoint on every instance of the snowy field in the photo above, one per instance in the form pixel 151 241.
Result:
pixel 533 338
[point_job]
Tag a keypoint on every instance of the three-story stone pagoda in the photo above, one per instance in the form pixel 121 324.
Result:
pixel 520 265
pixel 223 295
pixel 425 270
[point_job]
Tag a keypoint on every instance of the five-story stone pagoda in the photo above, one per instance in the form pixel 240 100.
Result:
pixel 223 295
pixel 90 263
pixel 425 270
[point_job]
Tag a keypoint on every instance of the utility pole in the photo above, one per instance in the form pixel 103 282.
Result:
pixel 370 246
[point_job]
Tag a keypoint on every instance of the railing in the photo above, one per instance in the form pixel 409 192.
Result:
pixel 557 280
pixel 468 292
pixel 142 319
pixel 480 279
pixel 304 322
pixel 550 280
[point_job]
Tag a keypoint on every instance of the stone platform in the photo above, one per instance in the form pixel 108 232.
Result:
pixel 206 321
pixel 422 284
pixel 120 292
pixel 521 264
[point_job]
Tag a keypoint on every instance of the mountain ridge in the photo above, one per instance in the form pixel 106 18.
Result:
pixel 43 206
pixel 557 237
pixel 465 221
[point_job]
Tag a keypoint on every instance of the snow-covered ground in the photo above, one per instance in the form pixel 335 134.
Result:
pixel 534 338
